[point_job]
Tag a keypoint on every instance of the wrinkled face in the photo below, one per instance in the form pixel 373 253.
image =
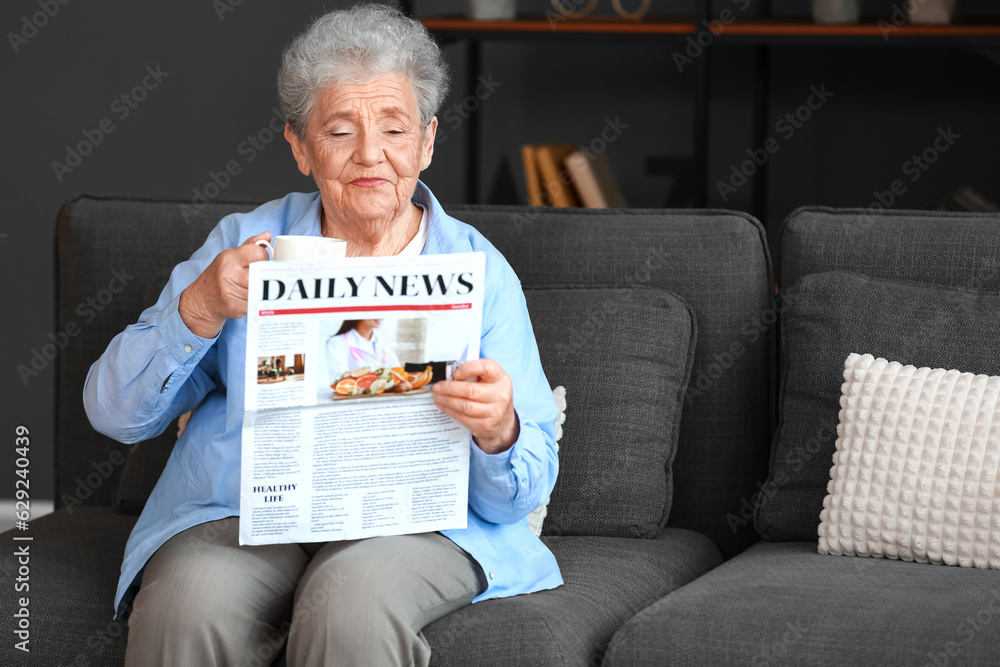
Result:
pixel 365 148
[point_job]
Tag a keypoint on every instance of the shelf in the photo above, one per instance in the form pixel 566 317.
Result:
pixel 776 28
pixel 757 30
pixel 871 32
pixel 590 25
pixel 755 34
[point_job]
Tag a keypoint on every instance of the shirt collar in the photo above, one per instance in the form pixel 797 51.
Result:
pixel 307 224
pixel 438 239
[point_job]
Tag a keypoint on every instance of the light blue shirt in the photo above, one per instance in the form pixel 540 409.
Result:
pixel 157 369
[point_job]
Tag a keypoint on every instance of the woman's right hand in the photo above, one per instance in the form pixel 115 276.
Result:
pixel 220 292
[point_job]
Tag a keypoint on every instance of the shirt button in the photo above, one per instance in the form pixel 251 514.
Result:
pixel 188 348
pixel 491 575
pixel 164 390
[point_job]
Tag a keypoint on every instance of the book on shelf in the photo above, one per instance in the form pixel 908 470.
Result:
pixel 532 177
pixel 594 182
pixel 555 177
pixel 562 176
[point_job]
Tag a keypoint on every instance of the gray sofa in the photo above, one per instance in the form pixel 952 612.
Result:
pixel 661 324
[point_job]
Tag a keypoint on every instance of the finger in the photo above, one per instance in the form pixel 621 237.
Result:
pixel 459 389
pixel 457 416
pixel 251 252
pixel 486 370
pixel 248 253
pixel 263 236
pixel 462 409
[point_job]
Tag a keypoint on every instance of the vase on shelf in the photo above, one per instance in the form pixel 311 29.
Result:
pixel 492 10
pixel 932 12
pixel 836 11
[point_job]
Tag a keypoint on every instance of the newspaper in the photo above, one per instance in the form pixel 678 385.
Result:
pixel 341 436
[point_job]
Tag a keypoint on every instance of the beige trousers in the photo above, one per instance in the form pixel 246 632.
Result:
pixel 207 601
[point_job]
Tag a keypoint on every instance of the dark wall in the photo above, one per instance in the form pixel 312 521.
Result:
pixel 215 90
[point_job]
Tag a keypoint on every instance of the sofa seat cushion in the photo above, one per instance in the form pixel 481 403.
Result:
pixel 783 602
pixel 74 563
pixel 607 580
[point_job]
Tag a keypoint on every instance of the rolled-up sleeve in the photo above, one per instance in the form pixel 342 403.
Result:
pixel 506 487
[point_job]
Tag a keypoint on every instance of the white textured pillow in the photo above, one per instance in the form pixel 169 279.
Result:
pixel 537 515
pixel 915 471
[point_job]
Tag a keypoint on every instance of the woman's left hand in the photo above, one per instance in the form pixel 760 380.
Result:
pixel 485 406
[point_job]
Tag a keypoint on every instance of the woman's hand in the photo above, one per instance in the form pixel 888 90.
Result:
pixel 220 292
pixel 485 406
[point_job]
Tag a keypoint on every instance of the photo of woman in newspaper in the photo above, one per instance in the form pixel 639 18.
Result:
pixel 388 357
pixel 357 344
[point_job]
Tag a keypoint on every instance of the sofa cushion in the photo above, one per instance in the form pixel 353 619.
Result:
pixel 914 476
pixel 827 317
pixel 718 263
pixel 133 243
pixel 625 356
pixel 75 557
pixel 784 603
pixel 607 580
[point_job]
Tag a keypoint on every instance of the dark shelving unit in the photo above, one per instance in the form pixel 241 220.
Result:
pixel 757 33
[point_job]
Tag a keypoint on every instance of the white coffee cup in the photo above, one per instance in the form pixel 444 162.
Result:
pixel 317 248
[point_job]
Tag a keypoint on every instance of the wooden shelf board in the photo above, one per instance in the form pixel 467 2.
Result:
pixel 674 26
pixel 867 29
pixel 589 24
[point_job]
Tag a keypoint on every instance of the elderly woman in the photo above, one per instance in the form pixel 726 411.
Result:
pixel 360 89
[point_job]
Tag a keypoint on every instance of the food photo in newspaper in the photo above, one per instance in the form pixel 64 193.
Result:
pixel 342 439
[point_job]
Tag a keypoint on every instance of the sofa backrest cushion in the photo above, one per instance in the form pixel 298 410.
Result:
pixel 97 239
pixel 907 291
pixel 716 261
pixel 624 356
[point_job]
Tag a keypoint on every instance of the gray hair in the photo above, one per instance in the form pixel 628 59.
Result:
pixel 357 45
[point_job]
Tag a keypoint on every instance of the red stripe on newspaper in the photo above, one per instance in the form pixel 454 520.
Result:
pixel 364 309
